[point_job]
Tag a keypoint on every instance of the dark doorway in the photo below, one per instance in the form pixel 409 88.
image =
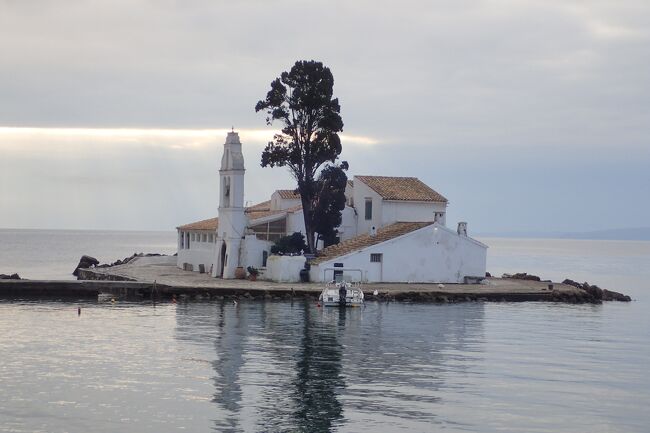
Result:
pixel 222 262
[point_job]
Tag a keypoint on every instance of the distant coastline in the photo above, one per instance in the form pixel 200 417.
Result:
pixel 624 234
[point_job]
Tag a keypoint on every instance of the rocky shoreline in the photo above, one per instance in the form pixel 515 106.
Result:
pixel 88 262
pixel 593 292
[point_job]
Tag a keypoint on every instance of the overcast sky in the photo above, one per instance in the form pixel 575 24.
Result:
pixel 526 115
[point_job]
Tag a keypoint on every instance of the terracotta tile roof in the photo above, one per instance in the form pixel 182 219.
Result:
pixel 383 234
pixel 257 211
pixel 401 188
pixel 259 207
pixel 260 210
pixel 295 208
pixel 288 194
pixel 264 214
pixel 209 224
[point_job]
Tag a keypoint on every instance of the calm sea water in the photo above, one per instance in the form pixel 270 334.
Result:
pixel 282 366
pixel 54 254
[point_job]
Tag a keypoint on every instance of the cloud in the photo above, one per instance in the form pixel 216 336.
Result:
pixel 30 140
pixel 143 92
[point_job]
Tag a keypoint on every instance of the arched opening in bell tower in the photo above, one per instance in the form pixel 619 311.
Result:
pixel 226 191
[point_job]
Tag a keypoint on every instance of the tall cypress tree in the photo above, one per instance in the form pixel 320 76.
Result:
pixel 302 100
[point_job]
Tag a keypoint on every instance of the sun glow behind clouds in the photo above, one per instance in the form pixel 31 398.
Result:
pixel 26 138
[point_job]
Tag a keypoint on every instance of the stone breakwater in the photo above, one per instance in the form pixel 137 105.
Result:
pixel 157 277
pixel 594 292
pixel 173 281
pixel 138 290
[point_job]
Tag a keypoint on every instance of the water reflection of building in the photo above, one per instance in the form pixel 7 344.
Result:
pixel 410 351
pixel 225 328
pixel 290 366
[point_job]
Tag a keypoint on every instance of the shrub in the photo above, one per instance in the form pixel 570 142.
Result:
pixel 292 244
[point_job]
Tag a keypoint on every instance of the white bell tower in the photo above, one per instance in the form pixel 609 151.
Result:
pixel 232 220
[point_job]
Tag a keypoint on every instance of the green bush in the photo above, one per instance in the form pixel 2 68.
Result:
pixel 292 244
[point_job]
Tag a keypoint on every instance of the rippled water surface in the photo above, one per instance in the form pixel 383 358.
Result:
pixel 283 366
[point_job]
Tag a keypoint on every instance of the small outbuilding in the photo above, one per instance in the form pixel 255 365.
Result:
pixel 415 252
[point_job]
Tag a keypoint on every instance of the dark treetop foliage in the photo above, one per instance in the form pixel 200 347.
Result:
pixel 329 202
pixel 301 100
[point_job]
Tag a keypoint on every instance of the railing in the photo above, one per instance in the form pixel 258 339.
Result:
pixel 334 270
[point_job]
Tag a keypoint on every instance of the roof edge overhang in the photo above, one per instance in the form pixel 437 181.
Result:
pixel 415 201
pixel 268 218
pixel 450 231
pixel 374 245
pixel 433 224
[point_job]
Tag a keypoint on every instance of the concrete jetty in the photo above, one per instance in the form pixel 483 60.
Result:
pixel 137 281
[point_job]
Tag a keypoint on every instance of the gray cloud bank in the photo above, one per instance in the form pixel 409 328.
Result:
pixel 528 115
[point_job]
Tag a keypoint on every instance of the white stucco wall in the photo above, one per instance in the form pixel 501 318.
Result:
pixel 349 195
pixel 433 254
pixel 348 228
pixel 393 211
pixel 279 203
pixel 360 192
pixel 295 222
pixel 253 251
pixel 284 269
pixel 199 253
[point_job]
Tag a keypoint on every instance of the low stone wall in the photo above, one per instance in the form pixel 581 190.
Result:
pixel 72 288
pixel 92 274
pixel 284 269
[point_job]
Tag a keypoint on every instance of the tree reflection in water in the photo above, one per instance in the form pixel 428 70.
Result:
pixel 318 381
pixel 292 367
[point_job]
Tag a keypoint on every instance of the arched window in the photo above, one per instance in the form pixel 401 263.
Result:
pixel 226 191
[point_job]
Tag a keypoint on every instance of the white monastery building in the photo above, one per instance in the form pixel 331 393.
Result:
pixel 393 230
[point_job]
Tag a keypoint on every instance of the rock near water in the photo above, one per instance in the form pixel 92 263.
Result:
pixel 88 262
pixel 9 277
pixel 522 276
pixel 84 263
pixel 598 293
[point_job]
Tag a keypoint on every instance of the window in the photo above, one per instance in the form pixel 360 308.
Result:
pixel 211 238
pixel 375 257
pixel 368 208
pixel 271 231
pixel 204 238
pixel 192 237
pixel 338 275
pixel 265 257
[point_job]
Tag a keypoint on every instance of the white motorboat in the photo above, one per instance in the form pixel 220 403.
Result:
pixel 341 294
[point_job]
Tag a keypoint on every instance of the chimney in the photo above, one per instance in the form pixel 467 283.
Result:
pixel 373 231
pixel 462 228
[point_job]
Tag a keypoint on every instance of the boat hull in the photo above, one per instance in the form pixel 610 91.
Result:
pixel 330 298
